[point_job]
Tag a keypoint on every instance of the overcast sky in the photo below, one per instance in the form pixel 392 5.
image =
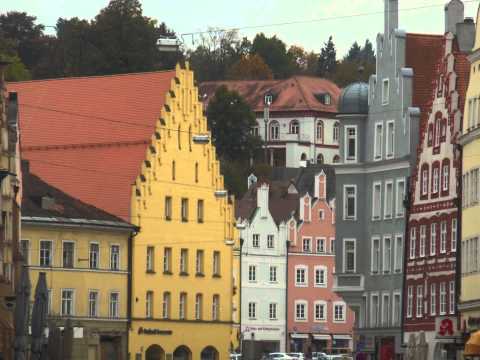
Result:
pixel 186 16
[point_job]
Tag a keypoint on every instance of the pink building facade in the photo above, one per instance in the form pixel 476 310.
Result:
pixel 317 318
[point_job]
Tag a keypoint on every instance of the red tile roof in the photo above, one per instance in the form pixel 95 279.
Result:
pixel 294 94
pixel 88 135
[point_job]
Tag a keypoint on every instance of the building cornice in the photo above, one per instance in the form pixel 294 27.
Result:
pixel 369 168
pixel 63 269
pixel 469 137
pixel 78 223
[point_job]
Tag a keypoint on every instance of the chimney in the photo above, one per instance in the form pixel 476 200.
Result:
pixel 391 17
pixel 262 199
pixel 454 12
pixel 466 34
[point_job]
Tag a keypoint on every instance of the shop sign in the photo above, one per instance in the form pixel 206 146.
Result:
pixel 148 331
pixel 473 322
pixel 261 328
pixel 446 327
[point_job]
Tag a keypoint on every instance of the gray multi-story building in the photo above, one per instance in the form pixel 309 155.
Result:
pixel 378 141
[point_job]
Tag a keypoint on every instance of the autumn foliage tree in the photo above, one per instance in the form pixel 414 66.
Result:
pixel 250 67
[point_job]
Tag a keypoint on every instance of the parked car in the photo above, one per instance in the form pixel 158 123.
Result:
pixel 279 356
pixel 235 356
pixel 319 356
pixel 296 356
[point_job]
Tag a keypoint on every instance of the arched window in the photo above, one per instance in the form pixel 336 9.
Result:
pixel 430 134
pixel 336 132
pixel 294 127
pixel 424 176
pixel 445 176
pixel 435 178
pixel 274 130
pixel 303 157
pixel 443 136
pixel 437 132
pixel 336 159
pixel 319 131
pixel 320 159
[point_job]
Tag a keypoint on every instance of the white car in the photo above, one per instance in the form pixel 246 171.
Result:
pixel 296 356
pixel 234 356
pixel 279 356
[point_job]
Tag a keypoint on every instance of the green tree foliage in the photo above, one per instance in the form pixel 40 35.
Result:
pixel 327 61
pixel 274 52
pixel 250 67
pixel 230 120
pixel 16 70
pixel 357 58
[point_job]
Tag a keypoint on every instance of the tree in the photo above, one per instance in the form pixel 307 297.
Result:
pixel 230 120
pixel 327 60
pixel 16 70
pixel 274 52
pixel 250 67
pixel 354 54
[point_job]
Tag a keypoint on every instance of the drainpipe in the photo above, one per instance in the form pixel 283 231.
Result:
pixel 458 253
pixel 406 202
pixel 287 244
pixel 129 281
pixel 240 296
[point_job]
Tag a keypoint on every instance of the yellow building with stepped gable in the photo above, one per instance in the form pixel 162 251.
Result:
pixel 469 304
pixel 183 287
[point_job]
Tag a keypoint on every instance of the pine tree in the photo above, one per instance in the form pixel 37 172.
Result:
pixel 327 60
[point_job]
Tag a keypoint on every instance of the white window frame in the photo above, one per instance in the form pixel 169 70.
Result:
pixel 385 94
pixel 256 240
pixel 252 310
pixel 273 315
pixel 445 177
pixel 182 305
pixel 398 255
pixel 270 241
pixel 117 308
pixel 454 235
pixel 354 255
pixel 198 306
pixel 305 269
pixel 118 259
pixel 73 255
pixel 149 304
pixel 433 299
pixel 376 211
pixel 273 279
pixel 90 255
pixel 413 242
pixel 319 248
pixel 336 132
pixel 396 315
pixel 385 310
pixel 332 245
pixel 425 177
pixel 388 142
pixel 387 255
pixel 435 179
pixel 443 298
pixel 388 207
pixel 343 318
pixel 377 315
pixel 419 302
pixel 250 272
pixel 451 297
pixel 443 237
pixel 347 137
pixel 26 256
pixel 325 276
pixel 376 239
pixel 150 259
pixel 215 307
pixel 305 310
pixel 73 301
pixel 345 217
pixel 422 240
pixel 399 209
pixel 433 238
pixel 378 143
pixel 307 240
pixel 323 304
pixel 97 299
pixel 410 302
pixel 51 257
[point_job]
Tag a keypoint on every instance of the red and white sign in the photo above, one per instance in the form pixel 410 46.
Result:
pixel 446 326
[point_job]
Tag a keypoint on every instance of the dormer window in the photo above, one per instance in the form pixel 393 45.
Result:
pixel 328 99
pixel 324 98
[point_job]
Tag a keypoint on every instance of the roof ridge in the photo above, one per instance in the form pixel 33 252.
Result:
pixel 426 35
pixel 302 93
pixel 86 145
pixel 91 76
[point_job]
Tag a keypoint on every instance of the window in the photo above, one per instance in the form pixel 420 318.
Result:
pixel 321 245
pixel 184 261
pixel 445 176
pixel 45 253
pixel 419 301
pixel 433 299
pixel 378 141
pixel 273 274
pixel 256 240
pixel 388 199
pixel 413 242
pixel 173 169
pixel 320 131
pixel 351 143
pixel 336 159
pixel 182 306
pixel 437 132
pixel 114 302
pixel 375 255
pixel 454 235
pixel 400 196
pixel 433 239
pixel 443 298
pixel 336 132
pixel 320 276
pixel 196 169
pixel 199 263
pixel 385 91
pixel 385 309
pixel 216 263
pixel 398 256
pixel 430 135
pixel 255 131
pixel 390 139
pixel 443 237
pixel 320 311
pixel 321 215
pixel 68 254
pixel 377 201
pixel 387 254
pixel 115 257
pixel 396 310
pixel 332 246
pixel 349 202
pixel 435 180
pixel 94 255
pixel 252 310
pixel 307 245
pixel 198 306
pixel 423 237
pixel 216 308
pixel 184 205
pixel 451 297
pixel 320 159
pixel 168 208
pixel 272 311
pixel 300 310
pixel 68 302
pixel 349 261
pixel 374 311
pixel 338 312
pixel 301 276
pixel 252 273
pixel 93 303
pixel 409 302
pixel 294 127
pixel 25 251
pixel 424 179
pixel 200 211
pixel 149 304
pixel 167 260
pixel 150 259
pixel 166 305
pixel 270 243
pixel 274 130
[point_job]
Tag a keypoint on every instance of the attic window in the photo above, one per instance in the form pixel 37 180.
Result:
pixel 324 98
pixel 47 202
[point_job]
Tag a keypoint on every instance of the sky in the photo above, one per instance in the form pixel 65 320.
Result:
pixel 314 17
